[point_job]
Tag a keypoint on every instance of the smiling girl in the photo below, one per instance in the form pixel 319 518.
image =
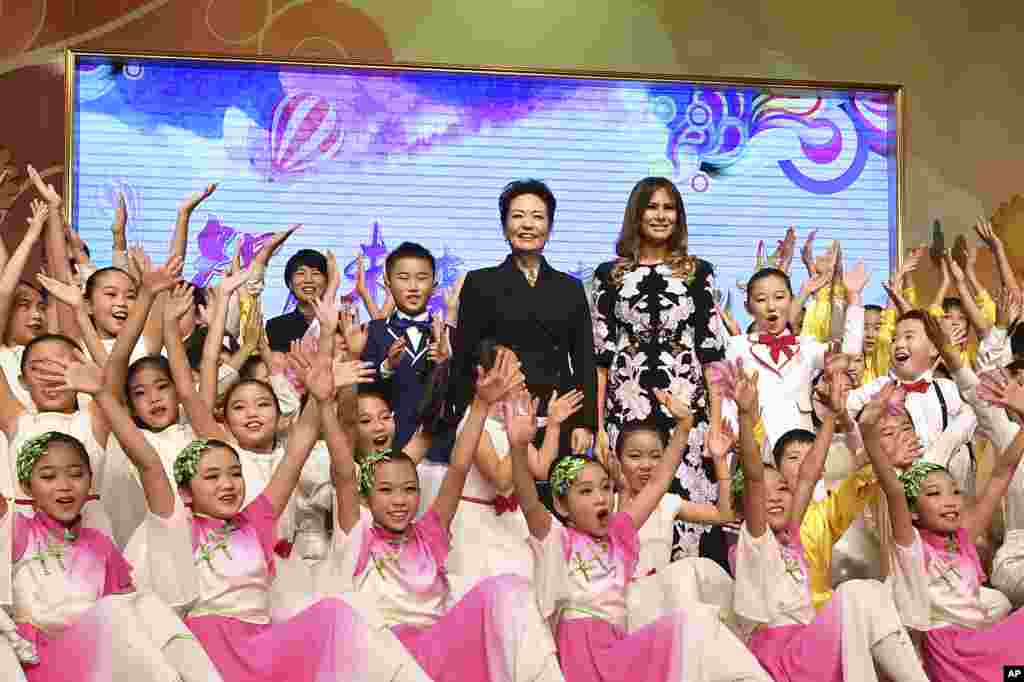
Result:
pixel 22 307
pixel 858 628
pixel 396 564
pixel 73 598
pixel 786 362
pixel 586 563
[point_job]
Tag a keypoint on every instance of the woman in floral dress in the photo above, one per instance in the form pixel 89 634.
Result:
pixel 656 327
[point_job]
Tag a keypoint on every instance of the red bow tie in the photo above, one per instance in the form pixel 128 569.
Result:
pixel 504 504
pixel 921 386
pixel 778 345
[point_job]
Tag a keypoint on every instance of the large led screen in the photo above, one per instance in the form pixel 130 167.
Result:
pixel 367 157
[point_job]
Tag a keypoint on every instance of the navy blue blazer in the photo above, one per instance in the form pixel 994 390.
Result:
pixel 406 385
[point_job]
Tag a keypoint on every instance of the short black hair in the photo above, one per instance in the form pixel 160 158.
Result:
pixel 374 389
pixel 251 382
pixel 155 361
pixel 409 250
pixel 914 314
pixel 43 338
pixel 636 427
pixel 765 273
pixel 873 308
pixel 93 281
pixel 304 257
pixel 518 188
pixel 787 439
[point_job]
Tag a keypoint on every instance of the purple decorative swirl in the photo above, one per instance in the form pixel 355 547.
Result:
pixel 217 245
pixel 711 128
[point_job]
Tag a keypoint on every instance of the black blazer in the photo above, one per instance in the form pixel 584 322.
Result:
pixel 547 325
pixel 284 329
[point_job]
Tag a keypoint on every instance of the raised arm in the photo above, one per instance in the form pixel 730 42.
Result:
pixel 1000 390
pixel 56 247
pixel 372 309
pixel 15 266
pixel 344 474
pixel 855 279
pixel 492 386
pixel 155 281
pixel 814 463
pixel 214 341
pixel 199 413
pixel 995 244
pixel 521 426
pixel 119 231
pixel 748 405
pixel 560 408
pixel 967 299
pixel 899 510
pixel 304 432
pixel 646 501
pixel 71 296
pixel 810 287
pixel 944 281
pixel 86 377
pixel 179 241
pixel 719 443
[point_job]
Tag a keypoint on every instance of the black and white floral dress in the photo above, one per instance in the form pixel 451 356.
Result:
pixel 657 330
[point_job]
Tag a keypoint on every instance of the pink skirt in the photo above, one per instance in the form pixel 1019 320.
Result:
pixel 100 646
pixel 803 653
pixel 327 641
pixel 479 638
pixel 958 654
pixel 75 655
pixel 594 650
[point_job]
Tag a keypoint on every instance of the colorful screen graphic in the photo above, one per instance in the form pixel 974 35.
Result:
pixel 367 158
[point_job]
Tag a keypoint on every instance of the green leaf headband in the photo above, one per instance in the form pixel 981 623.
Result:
pixel 187 461
pixel 366 468
pixel 564 474
pixel 913 477
pixel 31 451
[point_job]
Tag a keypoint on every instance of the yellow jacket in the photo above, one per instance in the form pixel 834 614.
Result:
pixel 826 521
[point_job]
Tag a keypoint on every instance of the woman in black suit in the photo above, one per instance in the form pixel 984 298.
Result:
pixel 528 306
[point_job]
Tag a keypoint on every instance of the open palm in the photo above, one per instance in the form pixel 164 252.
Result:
pixel 68 294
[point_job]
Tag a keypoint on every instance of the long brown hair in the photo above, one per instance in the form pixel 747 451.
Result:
pixel 627 247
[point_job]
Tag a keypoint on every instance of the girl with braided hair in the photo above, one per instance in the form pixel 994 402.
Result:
pixel 858 628
pixel 937 574
pixel 586 558
pixel 212 556
pixel 77 614
pixel 395 563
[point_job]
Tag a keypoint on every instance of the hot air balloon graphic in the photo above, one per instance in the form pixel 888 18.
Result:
pixel 306 129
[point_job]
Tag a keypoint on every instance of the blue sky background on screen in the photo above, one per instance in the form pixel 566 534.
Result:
pixel 423 156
